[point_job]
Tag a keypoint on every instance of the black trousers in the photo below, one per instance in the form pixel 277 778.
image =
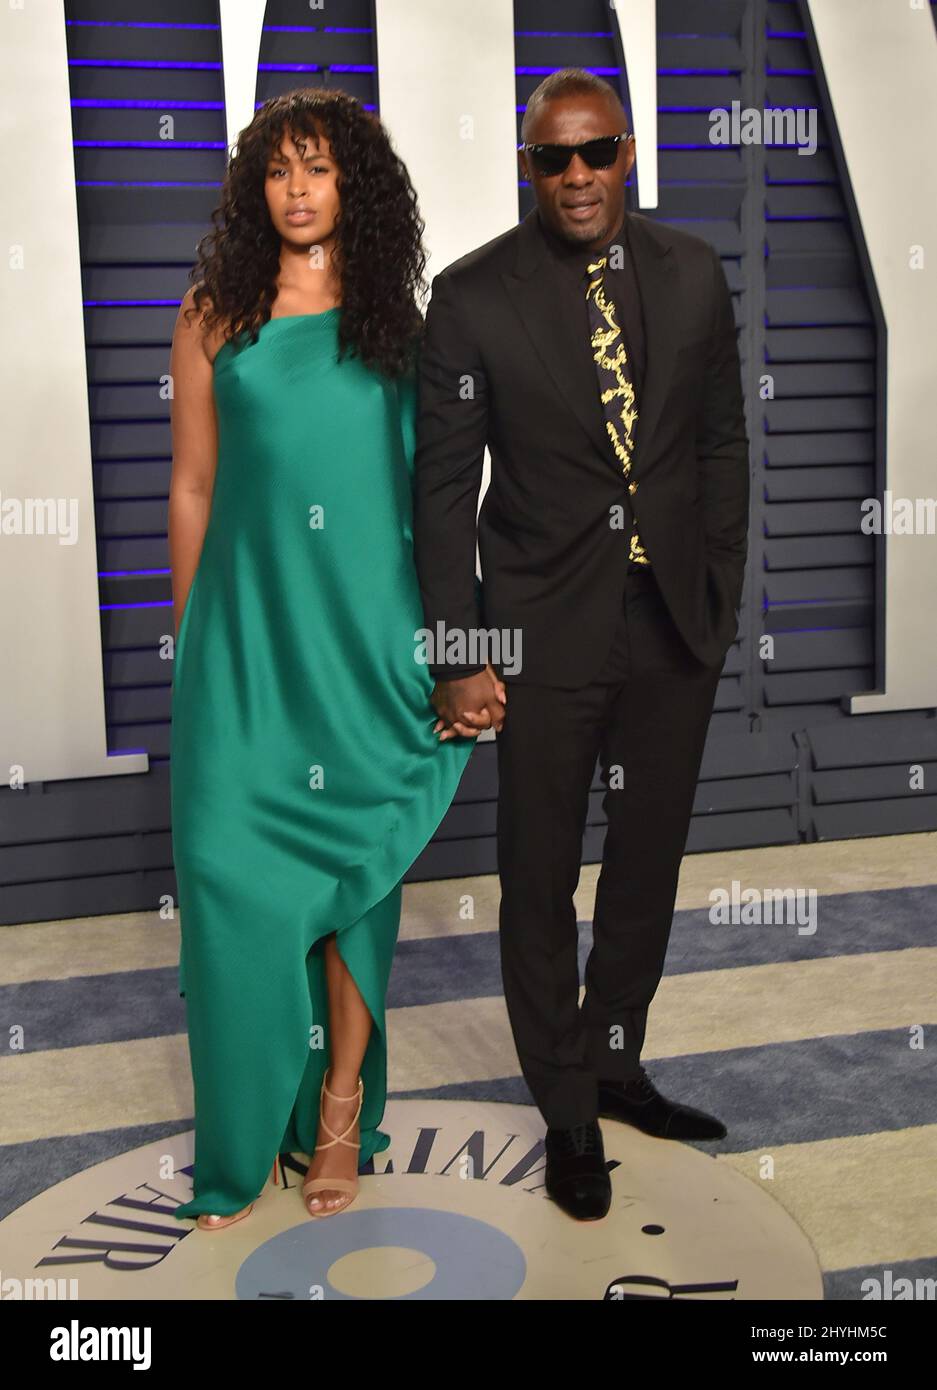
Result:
pixel 645 718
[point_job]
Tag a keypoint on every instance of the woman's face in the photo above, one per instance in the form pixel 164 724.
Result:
pixel 301 188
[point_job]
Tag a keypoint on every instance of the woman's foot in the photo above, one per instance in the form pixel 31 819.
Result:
pixel 217 1223
pixel 337 1150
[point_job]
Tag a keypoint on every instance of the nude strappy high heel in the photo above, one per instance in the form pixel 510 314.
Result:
pixel 218 1223
pixel 348 1185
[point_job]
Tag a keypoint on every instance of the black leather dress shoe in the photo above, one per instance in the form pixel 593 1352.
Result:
pixel 639 1103
pixel 576 1177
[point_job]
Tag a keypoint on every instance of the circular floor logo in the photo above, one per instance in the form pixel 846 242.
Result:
pixel 455 1209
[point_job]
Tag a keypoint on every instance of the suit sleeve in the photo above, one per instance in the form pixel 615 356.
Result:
pixel 722 444
pixel 452 431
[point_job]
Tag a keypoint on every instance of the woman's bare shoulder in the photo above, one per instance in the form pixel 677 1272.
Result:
pixel 191 323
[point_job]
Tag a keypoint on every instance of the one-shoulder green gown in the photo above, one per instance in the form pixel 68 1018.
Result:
pixel 305 773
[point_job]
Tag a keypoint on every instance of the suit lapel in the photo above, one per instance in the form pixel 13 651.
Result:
pixel 562 345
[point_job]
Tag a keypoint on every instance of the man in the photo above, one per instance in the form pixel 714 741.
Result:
pixel 594 352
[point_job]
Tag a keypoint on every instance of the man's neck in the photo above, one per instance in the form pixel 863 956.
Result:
pixel 577 249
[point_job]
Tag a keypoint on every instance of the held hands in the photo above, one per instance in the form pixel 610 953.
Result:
pixel 471 704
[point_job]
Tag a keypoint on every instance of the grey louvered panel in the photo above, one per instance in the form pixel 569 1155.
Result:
pixel 717 798
pixel 785 90
pixel 788 55
pixel 121 403
pixel 873 740
pixel 788 167
pixel 798 586
pixel 325 45
pixel 129 283
pixel 132 517
pixel 729 695
pixel 170 12
pixel 691 128
pixel 148 206
pixel 822 307
pixel 136 667
pixel 742 830
pixel 138 588
pixel 125 440
pixel 820 344
pixel 699 90
pixel 55 899
pixel 812 518
pixel 843 447
pixel 818 615
pixel 135 243
pixel 480 778
pixel 109 365
pixel 906 817
pixel 145 84
pixel 874 783
pixel 138 325
pixel 136 628
pixel 790 270
pixel 127 738
pixel 709 833
pixel 782 18
pixel 747 755
pixel 52 811
pixel 90 123
pixel 807 200
pixel 801 484
pixel 274 84
pixel 708 201
pixel 188 166
pixel 147 704
pixel 465 819
pixel 692 16
pixel 811 687
pixel 745 794
pixel 576 48
pixel 722 166
pixel 817 413
pixel 815 239
pixel 132 552
pixel 818 651
pixel 823 379
pixel 104 41
pixel 117 480
pixel 811 552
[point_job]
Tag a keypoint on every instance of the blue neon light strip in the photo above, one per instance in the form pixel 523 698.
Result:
pixel 149 144
pixel 113 607
pixel 130 574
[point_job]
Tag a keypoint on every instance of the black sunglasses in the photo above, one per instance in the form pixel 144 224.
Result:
pixel 553 159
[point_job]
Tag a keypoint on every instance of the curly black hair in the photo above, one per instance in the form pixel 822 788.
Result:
pixel 379 254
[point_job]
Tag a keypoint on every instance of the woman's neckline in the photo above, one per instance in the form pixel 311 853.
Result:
pixel 280 318
pixel 283 318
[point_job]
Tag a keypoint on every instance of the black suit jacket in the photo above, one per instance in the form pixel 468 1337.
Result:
pixel 502 365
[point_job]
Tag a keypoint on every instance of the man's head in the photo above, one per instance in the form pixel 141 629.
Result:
pixel 581 204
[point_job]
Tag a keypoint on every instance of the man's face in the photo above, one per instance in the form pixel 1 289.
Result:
pixel 582 205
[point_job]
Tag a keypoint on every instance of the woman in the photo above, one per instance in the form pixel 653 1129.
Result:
pixel 306 770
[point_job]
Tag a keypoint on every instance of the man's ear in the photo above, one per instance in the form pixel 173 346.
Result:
pixel 522 166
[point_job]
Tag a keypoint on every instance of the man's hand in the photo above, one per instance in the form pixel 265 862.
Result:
pixel 471 704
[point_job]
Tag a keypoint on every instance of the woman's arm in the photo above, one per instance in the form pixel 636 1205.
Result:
pixel 194 451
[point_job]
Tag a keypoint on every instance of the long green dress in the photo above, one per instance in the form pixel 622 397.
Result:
pixel 305 773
